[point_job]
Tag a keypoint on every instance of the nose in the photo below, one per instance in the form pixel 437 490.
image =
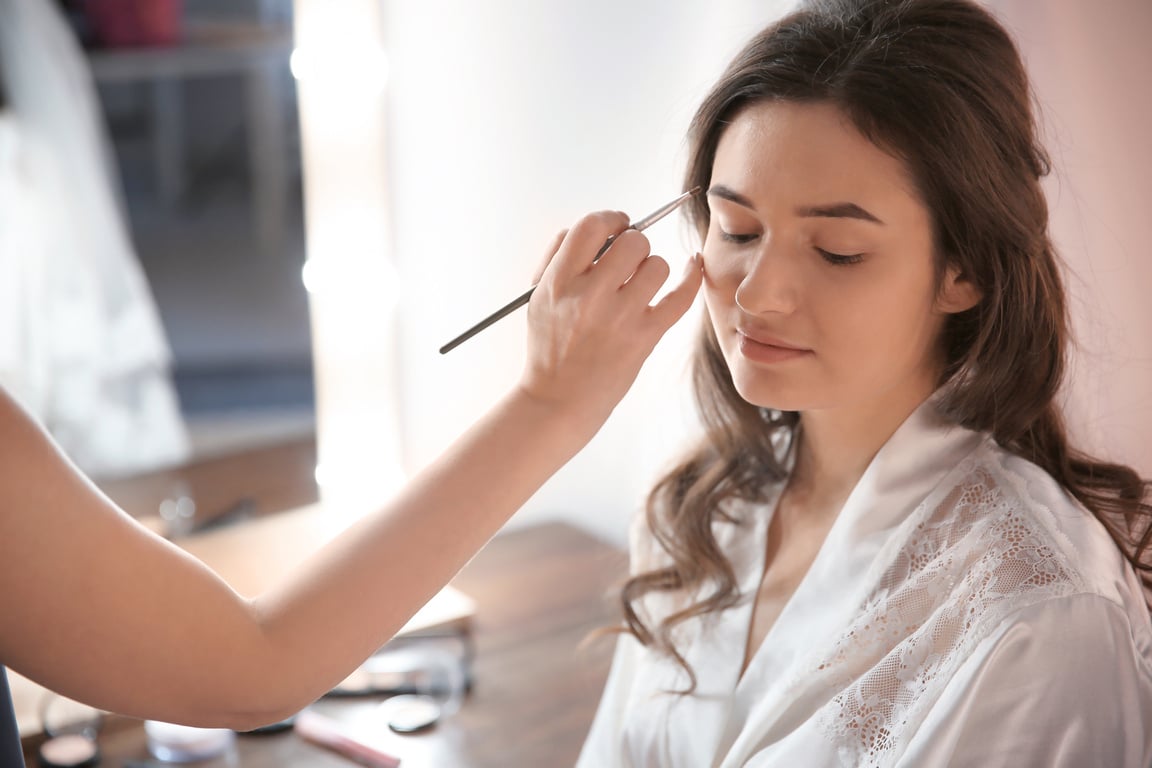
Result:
pixel 770 284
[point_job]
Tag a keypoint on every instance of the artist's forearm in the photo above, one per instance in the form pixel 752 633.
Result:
pixel 348 599
pixel 163 637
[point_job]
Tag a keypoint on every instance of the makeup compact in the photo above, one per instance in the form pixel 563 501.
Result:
pixel 72 750
pixel 411 712
pixel 181 743
pixel 71 728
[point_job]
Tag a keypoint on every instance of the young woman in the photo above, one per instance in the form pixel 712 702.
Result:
pixel 87 593
pixel 883 551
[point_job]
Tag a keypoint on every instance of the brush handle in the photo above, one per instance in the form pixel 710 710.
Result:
pixel 510 307
pixel 523 298
pixel 504 311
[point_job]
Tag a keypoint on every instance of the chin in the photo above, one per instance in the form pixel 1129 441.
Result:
pixel 780 396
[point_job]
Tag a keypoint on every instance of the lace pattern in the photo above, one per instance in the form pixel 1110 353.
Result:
pixel 970 561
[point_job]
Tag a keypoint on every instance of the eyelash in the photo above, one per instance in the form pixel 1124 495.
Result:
pixel 738 239
pixel 840 259
pixel 837 259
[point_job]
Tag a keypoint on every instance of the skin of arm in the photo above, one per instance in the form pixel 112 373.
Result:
pixel 98 608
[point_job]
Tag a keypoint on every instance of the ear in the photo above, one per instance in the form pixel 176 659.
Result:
pixel 957 293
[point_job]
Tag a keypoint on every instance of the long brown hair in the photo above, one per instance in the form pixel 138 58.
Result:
pixel 940 85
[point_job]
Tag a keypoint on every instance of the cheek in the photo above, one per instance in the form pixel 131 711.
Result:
pixel 887 323
pixel 722 276
pixel 718 304
pixel 722 267
pixel 721 279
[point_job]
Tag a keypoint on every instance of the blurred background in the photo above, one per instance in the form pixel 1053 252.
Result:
pixel 201 112
pixel 172 181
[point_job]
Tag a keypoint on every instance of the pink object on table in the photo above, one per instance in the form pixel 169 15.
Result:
pixel 327 732
pixel 127 23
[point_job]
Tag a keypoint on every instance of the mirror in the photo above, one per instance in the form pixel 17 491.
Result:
pixel 206 144
pixel 152 240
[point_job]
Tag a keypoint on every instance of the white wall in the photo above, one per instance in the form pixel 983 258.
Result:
pixel 508 120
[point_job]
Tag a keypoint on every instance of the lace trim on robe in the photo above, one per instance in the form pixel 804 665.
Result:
pixel 974 559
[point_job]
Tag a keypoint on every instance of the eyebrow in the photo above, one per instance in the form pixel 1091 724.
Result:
pixel 833 211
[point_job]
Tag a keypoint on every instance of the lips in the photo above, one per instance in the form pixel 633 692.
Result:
pixel 768 340
pixel 764 349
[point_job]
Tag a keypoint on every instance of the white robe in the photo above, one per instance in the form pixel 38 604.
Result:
pixel 962 611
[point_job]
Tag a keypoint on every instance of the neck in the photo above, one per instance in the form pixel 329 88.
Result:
pixel 837 444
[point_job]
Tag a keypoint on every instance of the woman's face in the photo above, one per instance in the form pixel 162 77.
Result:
pixel 819 275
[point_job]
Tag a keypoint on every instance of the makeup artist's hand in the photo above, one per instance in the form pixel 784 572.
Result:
pixel 591 325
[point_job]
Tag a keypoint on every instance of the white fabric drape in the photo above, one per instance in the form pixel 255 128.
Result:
pixel 962 611
pixel 81 345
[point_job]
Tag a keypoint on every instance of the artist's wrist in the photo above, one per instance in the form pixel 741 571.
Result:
pixel 573 420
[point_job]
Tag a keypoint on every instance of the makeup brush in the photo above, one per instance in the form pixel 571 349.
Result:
pixel 523 298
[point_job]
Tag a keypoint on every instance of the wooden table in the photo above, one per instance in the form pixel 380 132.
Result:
pixel 255 481
pixel 539 592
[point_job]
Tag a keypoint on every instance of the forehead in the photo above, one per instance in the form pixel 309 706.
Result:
pixel 810 153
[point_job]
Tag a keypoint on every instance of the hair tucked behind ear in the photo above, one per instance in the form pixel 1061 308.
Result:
pixel 940 85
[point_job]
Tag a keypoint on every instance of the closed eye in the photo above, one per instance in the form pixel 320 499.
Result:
pixel 840 259
pixel 732 237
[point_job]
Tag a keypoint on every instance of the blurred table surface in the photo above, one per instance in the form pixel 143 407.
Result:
pixel 539 592
pixel 246 482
